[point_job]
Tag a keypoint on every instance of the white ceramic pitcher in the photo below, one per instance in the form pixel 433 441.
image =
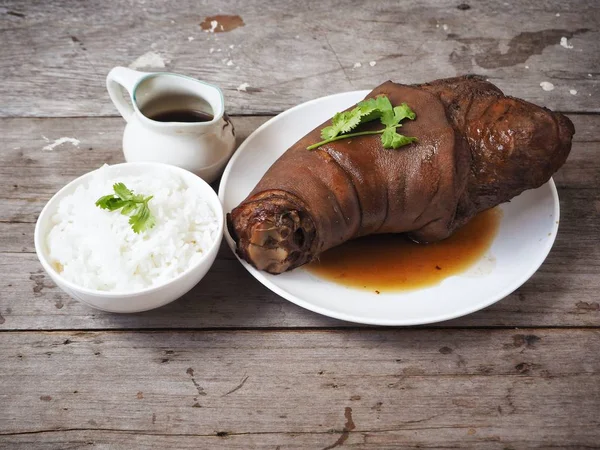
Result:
pixel 200 147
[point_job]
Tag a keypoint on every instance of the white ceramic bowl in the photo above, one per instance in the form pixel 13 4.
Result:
pixel 148 298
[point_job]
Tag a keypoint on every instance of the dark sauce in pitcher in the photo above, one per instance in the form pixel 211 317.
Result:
pixel 182 115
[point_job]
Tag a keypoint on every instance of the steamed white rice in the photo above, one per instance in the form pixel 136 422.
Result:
pixel 97 249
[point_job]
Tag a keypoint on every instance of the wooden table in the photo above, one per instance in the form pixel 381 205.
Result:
pixel 232 365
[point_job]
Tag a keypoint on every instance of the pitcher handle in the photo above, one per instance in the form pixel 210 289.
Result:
pixel 128 79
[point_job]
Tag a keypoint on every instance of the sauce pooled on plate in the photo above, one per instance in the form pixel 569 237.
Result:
pixel 392 262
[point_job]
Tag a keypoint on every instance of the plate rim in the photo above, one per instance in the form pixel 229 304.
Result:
pixel 263 279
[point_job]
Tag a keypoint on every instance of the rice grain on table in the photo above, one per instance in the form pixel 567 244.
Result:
pixel 97 249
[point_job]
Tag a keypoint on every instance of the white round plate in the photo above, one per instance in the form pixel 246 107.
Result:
pixel 527 231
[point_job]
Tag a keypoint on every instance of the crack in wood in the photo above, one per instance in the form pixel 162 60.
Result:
pixel 239 386
pixel 258 433
pixel 337 59
pixel 426 419
pixel 16 14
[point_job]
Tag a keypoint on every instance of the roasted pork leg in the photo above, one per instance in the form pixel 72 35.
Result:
pixel 476 148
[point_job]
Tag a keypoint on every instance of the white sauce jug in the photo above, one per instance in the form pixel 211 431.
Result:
pixel 201 142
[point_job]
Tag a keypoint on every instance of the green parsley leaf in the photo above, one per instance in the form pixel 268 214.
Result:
pixel 132 205
pixel 122 191
pixel 109 202
pixel 342 122
pixel 142 220
pixel 329 132
pixel 348 120
pixel 391 119
pixel 128 208
pixel 366 111
pixel 387 118
pixel 387 137
pixel 403 112
pixel 383 103
pixel 391 139
pixel 369 110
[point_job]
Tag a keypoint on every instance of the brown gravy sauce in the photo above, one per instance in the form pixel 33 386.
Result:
pixel 182 115
pixel 392 262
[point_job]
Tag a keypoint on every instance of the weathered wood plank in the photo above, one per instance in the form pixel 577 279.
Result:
pixel 386 388
pixel 417 437
pixel 30 175
pixel 564 292
pixel 56 54
pixel 227 297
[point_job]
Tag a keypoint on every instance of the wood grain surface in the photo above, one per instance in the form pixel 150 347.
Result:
pixel 302 389
pixel 57 53
pixel 232 365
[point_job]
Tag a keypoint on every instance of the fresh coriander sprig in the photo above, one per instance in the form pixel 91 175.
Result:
pixel 367 111
pixel 134 206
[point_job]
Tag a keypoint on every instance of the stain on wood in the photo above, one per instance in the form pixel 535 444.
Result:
pixel 76 40
pixel 221 23
pixel 525 367
pixel 487 53
pixel 588 306
pixel 199 388
pixel 523 340
pixel 38 279
pixel 348 427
